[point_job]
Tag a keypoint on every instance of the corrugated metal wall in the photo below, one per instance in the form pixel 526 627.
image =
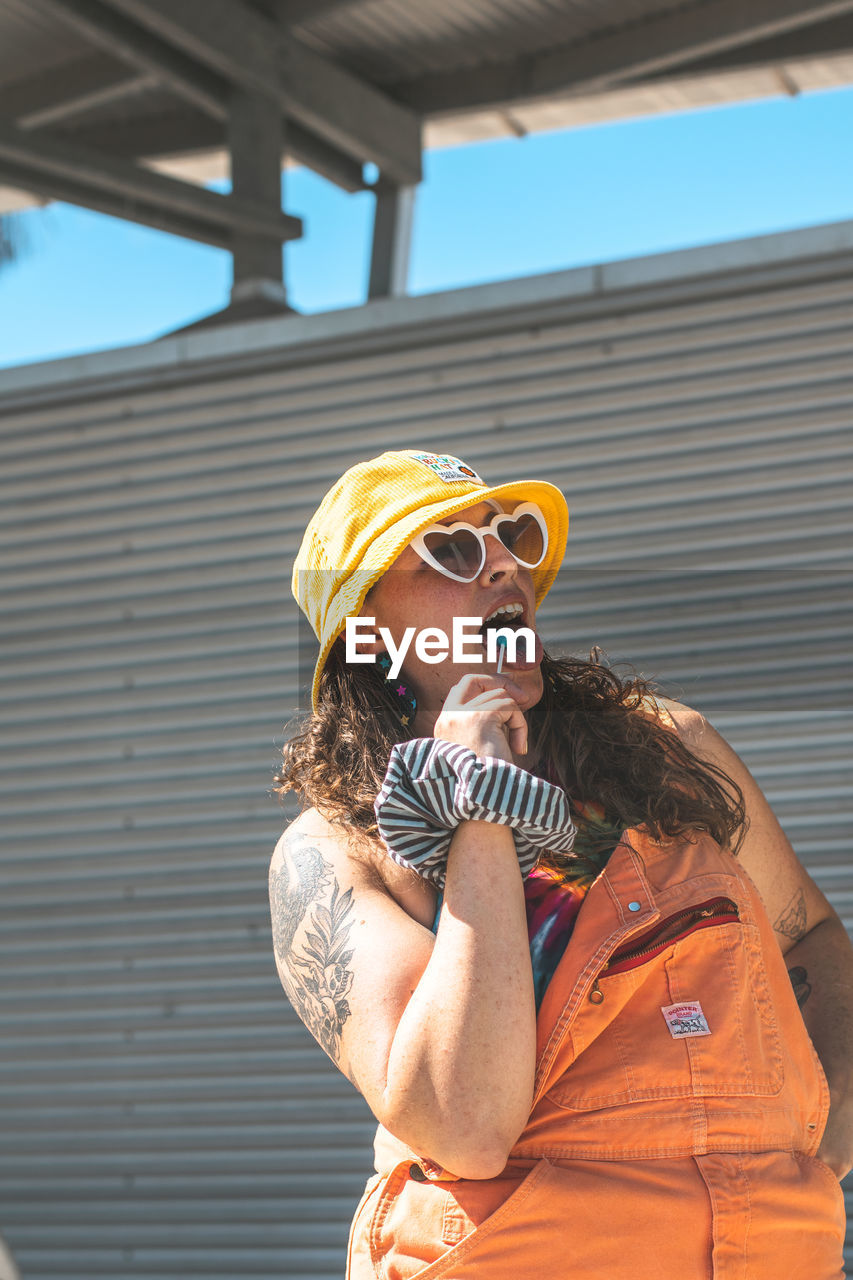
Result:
pixel 162 1112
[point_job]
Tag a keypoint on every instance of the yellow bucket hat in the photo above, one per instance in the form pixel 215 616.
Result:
pixel 372 513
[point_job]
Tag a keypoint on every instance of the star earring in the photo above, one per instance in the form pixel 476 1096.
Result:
pixel 401 691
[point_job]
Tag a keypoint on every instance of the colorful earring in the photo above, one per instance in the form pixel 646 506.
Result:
pixel 401 690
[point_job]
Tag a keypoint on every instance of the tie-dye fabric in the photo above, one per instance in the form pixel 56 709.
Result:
pixel 552 908
pixel 554 898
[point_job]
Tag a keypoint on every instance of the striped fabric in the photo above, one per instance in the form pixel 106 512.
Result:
pixel 431 786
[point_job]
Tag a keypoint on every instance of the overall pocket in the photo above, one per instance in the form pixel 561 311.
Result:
pixel 683 1011
pixel 426 1230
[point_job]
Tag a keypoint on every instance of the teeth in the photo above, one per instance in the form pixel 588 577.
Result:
pixel 505 611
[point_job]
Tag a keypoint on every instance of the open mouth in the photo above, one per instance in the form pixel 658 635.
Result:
pixel 520 655
pixel 506 617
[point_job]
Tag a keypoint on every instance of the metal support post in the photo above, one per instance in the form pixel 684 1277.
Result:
pixel 256 144
pixel 392 238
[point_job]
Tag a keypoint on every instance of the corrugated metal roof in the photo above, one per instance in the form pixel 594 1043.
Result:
pixel 659 97
pixel 391 40
pixel 386 39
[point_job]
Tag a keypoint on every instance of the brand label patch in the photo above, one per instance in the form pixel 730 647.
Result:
pixel 686 1019
pixel 448 468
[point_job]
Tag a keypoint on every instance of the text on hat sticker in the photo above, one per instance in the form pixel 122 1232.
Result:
pixel 448 468
pixel 686 1019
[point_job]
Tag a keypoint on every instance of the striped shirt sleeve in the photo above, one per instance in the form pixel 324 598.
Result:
pixel 431 786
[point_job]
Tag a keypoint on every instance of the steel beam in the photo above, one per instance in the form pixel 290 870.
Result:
pixel 121 180
pixel 172 132
pixel 53 187
pixel 330 162
pixel 658 44
pixel 235 41
pixel 67 90
pixel 66 110
pixel 196 84
pixel 392 238
pixel 227 36
pixel 133 45
pixel 350 115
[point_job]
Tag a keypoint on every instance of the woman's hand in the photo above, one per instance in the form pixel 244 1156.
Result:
pixel 482 713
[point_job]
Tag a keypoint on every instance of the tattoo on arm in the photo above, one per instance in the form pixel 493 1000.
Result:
pixel 316 974
pixel 792 921
pixel 800 983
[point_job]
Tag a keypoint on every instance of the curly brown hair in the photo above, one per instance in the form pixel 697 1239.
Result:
pixel 593 732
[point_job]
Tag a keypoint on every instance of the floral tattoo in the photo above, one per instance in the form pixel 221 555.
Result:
pixel 316 974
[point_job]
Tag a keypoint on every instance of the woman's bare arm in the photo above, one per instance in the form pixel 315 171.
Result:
pixel 438 1033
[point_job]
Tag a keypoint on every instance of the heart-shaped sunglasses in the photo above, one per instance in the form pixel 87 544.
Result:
pixel 459 550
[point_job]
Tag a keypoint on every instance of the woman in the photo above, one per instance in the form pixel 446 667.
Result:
pixel 594 1067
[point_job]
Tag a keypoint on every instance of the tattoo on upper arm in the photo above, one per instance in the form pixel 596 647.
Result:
pixel 792 921
pixel 800 983
pixel 316 975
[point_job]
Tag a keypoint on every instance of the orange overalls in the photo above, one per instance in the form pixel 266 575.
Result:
pixel 677 1110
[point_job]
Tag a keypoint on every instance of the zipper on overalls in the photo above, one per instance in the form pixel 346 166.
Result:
pixel 713 912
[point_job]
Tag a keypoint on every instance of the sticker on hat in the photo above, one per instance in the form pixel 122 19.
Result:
pixel 686 1019
pixel 448 468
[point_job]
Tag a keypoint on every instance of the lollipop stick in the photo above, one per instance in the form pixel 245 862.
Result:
pixel 501 653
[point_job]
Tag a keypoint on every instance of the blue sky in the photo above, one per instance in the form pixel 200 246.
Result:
pixel 488 212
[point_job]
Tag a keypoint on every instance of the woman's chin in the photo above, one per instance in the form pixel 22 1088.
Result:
pixel 533 685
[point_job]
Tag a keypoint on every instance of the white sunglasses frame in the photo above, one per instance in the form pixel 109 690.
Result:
pixel 525 508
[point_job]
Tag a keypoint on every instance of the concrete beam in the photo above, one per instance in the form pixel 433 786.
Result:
pixel 234 42
pixel 135 188
pixel 658 44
